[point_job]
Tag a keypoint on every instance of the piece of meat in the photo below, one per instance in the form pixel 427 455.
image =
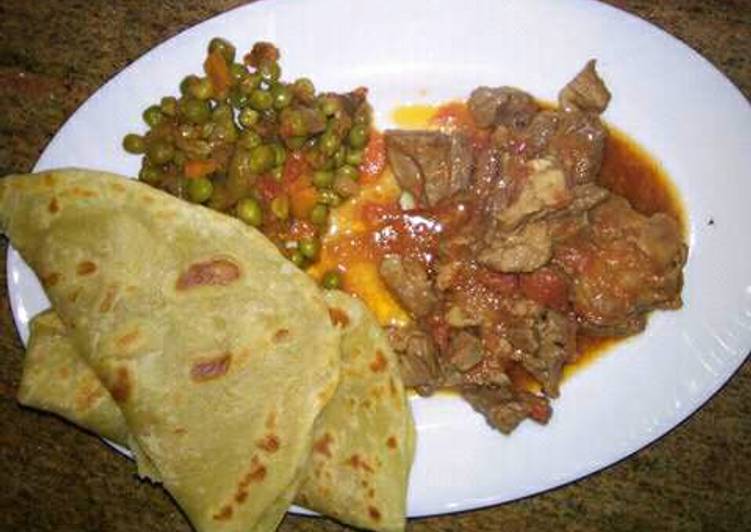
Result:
pixel 521 250
pixel 505 106
pixel 557 343
pixel 578 145
pixel 409 282
pixel 504 408
pixel 465 351
pixel 623 265
pixel 429 164
pixel 586 92
pixel 417 358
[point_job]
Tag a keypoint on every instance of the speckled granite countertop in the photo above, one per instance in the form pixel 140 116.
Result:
pixel 54 54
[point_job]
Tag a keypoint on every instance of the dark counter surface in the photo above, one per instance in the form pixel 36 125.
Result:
pixel 55 54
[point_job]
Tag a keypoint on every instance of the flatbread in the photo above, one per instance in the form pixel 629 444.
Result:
pixel 219 352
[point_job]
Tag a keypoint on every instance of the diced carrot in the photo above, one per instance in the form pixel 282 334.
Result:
pixel 303 196
pixel 197 168
pixel 217 70
pixel 374 158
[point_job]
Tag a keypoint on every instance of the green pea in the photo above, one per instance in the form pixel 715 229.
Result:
pixel 238 99
pixel 329 197
pixel 160 152
pixel 168 105
pixel 240 171
pixel 270 71
pixel 319 214
pixel 282 97
pixel 179 158
pixel 262 158
pixel 194 110
pixel 224 47
pixel 249 83
pixel 133 143
pixel 339 156
pixel 362 116
pixel 330 105
pixel 261 100
pixel 298 259
pixel 186 83
pixel 249 211
pixel 150 175
pixel 348 171
pixel 309 247
pixel 358 136
pixel 249 139
pixel 328 143
pixel 295 143
pixel 354 158
pixel 153 116
pixel 201 88
pixel 323 178
pixel 277 173
pixel 280 206
pixel 238 72
pixel 331 280
pixel 200 190
pixel 248 117
pixel 222 113
pixel 304 90
pixel 280 154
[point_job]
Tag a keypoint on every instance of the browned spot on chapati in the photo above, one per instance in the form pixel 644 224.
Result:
pixel 180 430
pixel 118 187
pixel 216 272
pixel 392 386
pixel 256 474
pixel 391 442
pixel 48 180
pixel 356 462
pixel 224 514
pixel 371 493
pixel 240 496
pixel 81 192
pixel 321 446
pixel 87 395
pixel 120 385
pixel 85 267
pixel 210 369
pixel 280 335
pixel 109 300
pixel 73 296
pixel 379 363
pixel 54 206
pixel 64 373
pixel 271 420
pixel 338 317
pixel 51 279
pixel 269 443
pixel 128 338
pixel 374 513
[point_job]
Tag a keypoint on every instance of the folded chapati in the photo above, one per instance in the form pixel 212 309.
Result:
pixel 219 353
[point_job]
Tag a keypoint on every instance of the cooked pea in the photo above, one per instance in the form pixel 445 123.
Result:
pixel 331 280
pixel 261 100
pixel 270 71
pixel 223 47
pixel 249 211
pixel 330 105
pixel 295 143
pixel 238 72
pixel 339 156
pixel 348 171
pixel 201 88
pixel 194 111
pixel 329 197
pixel 168 105
pixel 150 175
pixel 261 158
pixel 280 154
pixel 280 206
pixel 304 90
pixel 309 247
pixel 200 190
pixel 354 157
pixel 249 83
pixel 319 214
pixel 249 139
pixel 153 116
pixel 160 151
pixel 345 187
pixel 240 168
pixel 134 143
pixel 328 143
pixel 362 116
pixel 186 83
pixel 206 129
pixel 237 98
pixel 282 96
pixel 298 259
pixel 277 173
pixel 248 117
pixel 222 113
pixel 358 136
pixel 323 178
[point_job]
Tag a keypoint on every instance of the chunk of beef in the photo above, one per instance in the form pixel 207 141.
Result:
pixel 586 92
pixel 623 265
pixel 505 106
pixel 465 351
pixel 409 282
pixel 417 358
pixel 505 408
pixel 429 164
pixel 579 145
pixel 522 250
pixel 557 343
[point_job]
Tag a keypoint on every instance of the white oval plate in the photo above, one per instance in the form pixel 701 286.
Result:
pixel 665 95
